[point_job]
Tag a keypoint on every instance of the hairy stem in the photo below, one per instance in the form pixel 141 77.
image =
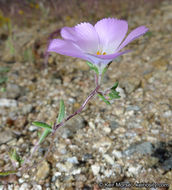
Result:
pixel 80 109
pixel 56 126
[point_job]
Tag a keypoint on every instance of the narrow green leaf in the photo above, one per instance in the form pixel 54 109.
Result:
pixel 61 112
pixel 115 86
pixel 104 99
pixel 15 156
pixel 149 34
pixel 114 94
pixel 28 55
pixel 42 125
pixel 93 67
pixel 45 133
pixel 4 69
pixel 39 134
pixel 6 173
pixel 2 89
pixel 10 45
pixel 114 91
pixel 3 79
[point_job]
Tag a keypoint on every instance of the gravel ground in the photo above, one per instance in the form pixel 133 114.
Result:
pixel 128 142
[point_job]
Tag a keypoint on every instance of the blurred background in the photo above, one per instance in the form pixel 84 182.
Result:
pixel 127 141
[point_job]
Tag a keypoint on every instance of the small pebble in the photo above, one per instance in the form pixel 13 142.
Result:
pixel 95 169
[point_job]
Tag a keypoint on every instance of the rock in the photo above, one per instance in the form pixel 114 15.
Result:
pixel 2 163
pixel 5 136
pixel 37 187
pixel 72 101
pixel 121 92
pixel 20 122
pixel 106 129
pixel 167 114
pixel 73 160
pixel 108 173
pixel 168 175
pixel 27 109
pixel 26 176
pixel 120 130
pixel 82 66
pixel 21 180
pixel 160 64
pixel 57 183
pixel 95 169
pixel 118 168
pixel 61 148
pixel 155 131
pixel 76 105
pixel 24 186
pixel 114 125
pixel 142 148
pixel 109 159
pixel 133 108
pixel 33 128
pixel 86 187
pixel 51 60
pixel 8 57
pixel 91 125
pixel 152 161
pixel 86 157
pixel 134 170
pixel 163 152
pixel 8 103
pixel 81 177
pixel 64 167
pixel 103 144
pixel 71 127
pixel 13 91
pixel 76 171
pixel 43 171
pixel 119 110
pixel 130 84
pixel 117 154
pixel 65 133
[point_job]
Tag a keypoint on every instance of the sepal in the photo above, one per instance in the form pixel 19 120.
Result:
pixel 93 67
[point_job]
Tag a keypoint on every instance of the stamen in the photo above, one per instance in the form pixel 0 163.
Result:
pixel 99 53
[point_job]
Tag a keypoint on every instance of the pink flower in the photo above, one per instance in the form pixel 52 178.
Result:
pixel 98 44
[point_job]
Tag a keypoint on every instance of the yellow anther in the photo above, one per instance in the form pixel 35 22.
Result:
pixel 100 53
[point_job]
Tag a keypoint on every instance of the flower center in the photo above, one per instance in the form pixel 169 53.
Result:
pixel 100 53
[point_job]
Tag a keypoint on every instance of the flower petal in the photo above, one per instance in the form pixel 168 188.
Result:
pixel 68 33
pixel 133 35
pixel 84 35
pixel 68 48
pixel 111 32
